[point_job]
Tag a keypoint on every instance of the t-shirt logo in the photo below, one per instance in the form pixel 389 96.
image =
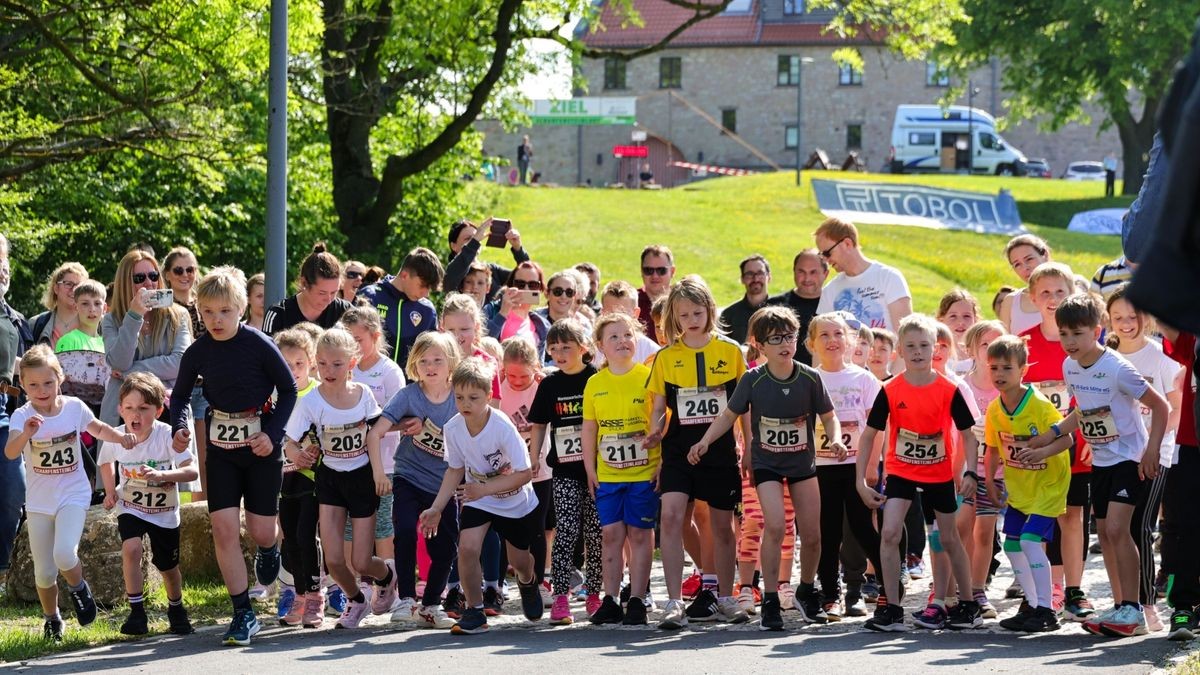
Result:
pixel 415 318
pixel 902 406
pixel 787 391
pixel 719 368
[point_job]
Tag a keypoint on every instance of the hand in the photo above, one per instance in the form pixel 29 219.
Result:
pixel 1040 441
pixel 383 484
pixel 594 484
pixel 33 424
pixel 307 457
pixel 411 426
pixel 871 498
pixel 698 450
pixel 535 464
pixel 967 486
pixel 652 439
pixel 179 442
pixel 1148 467
pixel 481 232
pixel 514 239
pixel 137 303
pixel 129 440
pixel 994 494
pixel 474 491
pixel 152 476
pixel 872 479
pixel 508 301
pixel 747 466
pixel 841 450
pixel 260 444
pixel 429 520
pixel 110 500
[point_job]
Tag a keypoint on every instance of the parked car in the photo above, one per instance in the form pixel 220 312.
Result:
pixel 1037 168
pixel 1084 171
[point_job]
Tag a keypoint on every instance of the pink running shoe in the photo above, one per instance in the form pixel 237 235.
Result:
pixel 593 603
pixel 355 611
pixel 560 612
pixel 314 609
pixel 385 596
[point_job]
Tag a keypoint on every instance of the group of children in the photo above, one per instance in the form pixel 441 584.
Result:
pixel 372 483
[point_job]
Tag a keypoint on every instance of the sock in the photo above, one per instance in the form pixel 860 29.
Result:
pixel 1039 567
pixel 53 617
pixel 177 602
pixel 241 600
pixel 382 583
pixel 1021 569
pixel 82 585
pixel 136 603
pixel 757 578
pixel 1073 590
pixel 939 602
pixel 273 549
pixel 770 596
pixel 806 590
pixel 708 582
pixel 358 597
pixel 492 584
pixel 740 586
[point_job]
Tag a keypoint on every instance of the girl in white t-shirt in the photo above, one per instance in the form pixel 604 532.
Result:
pixel 1127 334
pixel 57 490
pixel 959 310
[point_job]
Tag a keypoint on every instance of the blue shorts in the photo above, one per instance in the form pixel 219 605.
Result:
pixel 1017 525
pixel 635 504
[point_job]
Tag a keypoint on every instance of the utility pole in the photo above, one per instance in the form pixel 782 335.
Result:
pixel 276 245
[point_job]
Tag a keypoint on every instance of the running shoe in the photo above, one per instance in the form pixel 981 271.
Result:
pixel 560 612
pixel 576 582
pixel 1125 622
pixel 855 606
pixel 1092 625
pixel 1058 598
pixel 287 598
pixel 745 600
pixel 592 604
pixel 887 619
pixel 385 596
pixel 259 592
pixel 53 630
pixel 1153 622
pixel 433 616
pixel 266 565
pixel 1017 621
pixel 811 611
pixel 965 615
pixel 314 609
pixel 870 589
pixel 531 600
pixel 353 616
pixel 704 607
pixel 405 609
pixel 729 611
pixel 335 601
pixel 915 566
pixel 295 613
pixel 1078 607
pixel 692 585
pixel 177 620
pixel 772 616
pixel 1014 591
pixel 136 624
pixel 493 604
pixel 787 597
pixel 986 610
pixel 932 617
pixel 547 594
pixel 609 612
pixel 454 604
pixel 635 613
pixel 1042 620
pixel 85 604
pixel 674 616
pixel 833 610
pixel 651 606
pixel 1183 626
pixel 473 621
pixel 243 627
pixel 623 596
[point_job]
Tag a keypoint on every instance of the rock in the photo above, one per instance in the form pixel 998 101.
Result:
pixel 100 551
pixel 198 558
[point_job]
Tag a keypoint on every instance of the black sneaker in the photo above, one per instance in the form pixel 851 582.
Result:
pixel 531 599
pixel 1017 621
pixel 53 630
pixel 455 604
pixel 1182 626
pixel 1042 620
pixel 473 621
pixel 635 613
pixel 609 612
pixel 177 617
pixel 85 605
pixel 888 619
pixel 704 607
pixel 771 616
pixel 266 565
pixel 624 596
pixel 493 604
pixel 964 615
pixel 136 624
pixel 811 610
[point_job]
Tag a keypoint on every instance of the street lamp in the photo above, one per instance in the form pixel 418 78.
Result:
pixel 971 91
pixel 800 61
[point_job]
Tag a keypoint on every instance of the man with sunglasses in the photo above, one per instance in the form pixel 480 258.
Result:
pixel 809 271
pixel 465 241
pixel 756 275
pixel 658 269
pixel 876 294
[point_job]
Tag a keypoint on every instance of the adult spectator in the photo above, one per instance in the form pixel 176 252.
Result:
pixel 1110 275
pixel 876 294
pixel 317 300
pixel 256 300
pixel 524 155
pixel 403 301
pixel 565 292
pixel 465 240
pixel 809 271
pixel 352 279
pixel 756 276
pixel 593 276
pixel 60 317
pixel 658 269
pixel 1110 175
pixel 507 316
pixel 181 272
pixel 15 337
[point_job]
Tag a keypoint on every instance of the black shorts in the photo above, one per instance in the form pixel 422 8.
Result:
pixel 351 490
pixel 1079 493
pixel 766 476
pixel 720 486
pixel 164 541
pixel 1117 483
pixel 519 532
pixel 234 477
pixel 940 497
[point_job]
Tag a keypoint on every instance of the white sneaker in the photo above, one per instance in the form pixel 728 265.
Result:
pixel 1153 622
pixel 674 617
pixel 434 617
pixel 405 610
pixel 730 610
pixel 651 606
pixel 745 600
pixel 787 597
pixel 547 596
pixel 260 592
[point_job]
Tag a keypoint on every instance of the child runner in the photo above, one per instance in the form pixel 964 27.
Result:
pixel 959 310
pixel 883 349
pixel 350 477
pixel 693 378
pixel 89 304
pixel 920 409
pixel 621 296
pixel 241 367
pixel 1024 253
pixel 483 446
pixel 622 464
pixel 57 490
pixel 1036 480
pixel 147 499
pixel 557 413
pixel 417 475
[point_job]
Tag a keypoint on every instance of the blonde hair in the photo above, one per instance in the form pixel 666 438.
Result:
pixel 223 284
pixel 340 341
pixel 692 289
pixel 827 317
pixel 918 322
pixel 49 298
pixel 461 303
pixel 41 356
pixel 473 373
pixel 836 229
pixel 520 350
pixel 297 338
pixel 150 387
pixel 432 340
pixel 944 334
pixel 491 346
pixel 90 287
pixel 367 317
pixel 159 321
pixel 620 289
pixel 1052 269
pixel 974 335
pixel 311 329
pixel 606 320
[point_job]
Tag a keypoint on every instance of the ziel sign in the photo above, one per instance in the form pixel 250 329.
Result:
pixel 585 110
pixel 895 204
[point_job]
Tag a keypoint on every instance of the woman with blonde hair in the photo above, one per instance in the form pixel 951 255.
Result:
pixel 59 300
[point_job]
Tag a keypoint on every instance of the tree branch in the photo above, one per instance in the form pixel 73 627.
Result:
pixel 702 11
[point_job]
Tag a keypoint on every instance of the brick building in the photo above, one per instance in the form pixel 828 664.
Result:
pixel 739 70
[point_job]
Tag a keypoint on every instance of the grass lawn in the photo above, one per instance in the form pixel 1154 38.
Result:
pixel 712 225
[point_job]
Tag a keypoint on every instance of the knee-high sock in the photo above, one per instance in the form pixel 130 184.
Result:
pixel 1021 570
pixel 1039 566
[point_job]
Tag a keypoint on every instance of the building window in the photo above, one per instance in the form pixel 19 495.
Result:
pixel 854 136
pixel 788 72
pixel 848 76
pixel 791 7
pixel 729 119
pixel 670 72
pixel 614 73
pixel 789 137
pixel 935 76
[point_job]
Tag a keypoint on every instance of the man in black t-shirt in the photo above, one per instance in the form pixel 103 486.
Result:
pixel 756 275
pixel 809 271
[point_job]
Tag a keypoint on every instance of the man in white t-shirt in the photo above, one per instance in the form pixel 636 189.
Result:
pixel 874 293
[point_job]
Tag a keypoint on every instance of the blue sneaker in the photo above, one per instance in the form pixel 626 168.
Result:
pixel 335 601
pixel 243 627
pixel 266 565
pixel 473 621
pixel 287 598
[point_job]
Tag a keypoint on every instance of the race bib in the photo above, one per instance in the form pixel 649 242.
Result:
pixel 850 434
pixel 429 439
pixel 55 456
pixel 700 405
pixel 914 448
pixel 230 431
pixel 783 434
pixel 344 441
pixel 621 451
pixel 1098 425
pixel 484 478
pixel 568 443
pixel 147 496
pixel 1056 391
pixel 1013 444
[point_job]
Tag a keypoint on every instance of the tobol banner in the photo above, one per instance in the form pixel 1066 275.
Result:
pixel 898 204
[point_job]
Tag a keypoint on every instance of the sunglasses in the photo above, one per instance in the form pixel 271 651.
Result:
pixel 140 277
pixel 781 339
pixel 655 271
pixel 350 274
pixel 180 271
pixel 559 292
pixel 521 285
pixel 826 253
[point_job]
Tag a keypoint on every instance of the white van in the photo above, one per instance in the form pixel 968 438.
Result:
pixel 930 138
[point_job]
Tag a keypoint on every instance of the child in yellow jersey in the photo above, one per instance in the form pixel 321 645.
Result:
pixel 622 463
pixel 1037 480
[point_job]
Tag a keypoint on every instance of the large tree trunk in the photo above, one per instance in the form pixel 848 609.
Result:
pixel 1136 139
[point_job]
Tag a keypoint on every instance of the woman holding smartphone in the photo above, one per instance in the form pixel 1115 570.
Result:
pixel 144 330
pixel 511 313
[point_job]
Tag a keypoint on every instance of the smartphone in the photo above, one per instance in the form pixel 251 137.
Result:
pixel 499 227
pixel 157 298
pixel 529 297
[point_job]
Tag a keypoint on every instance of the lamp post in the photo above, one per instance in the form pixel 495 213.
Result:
pixel 971 91
pixel 800 61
